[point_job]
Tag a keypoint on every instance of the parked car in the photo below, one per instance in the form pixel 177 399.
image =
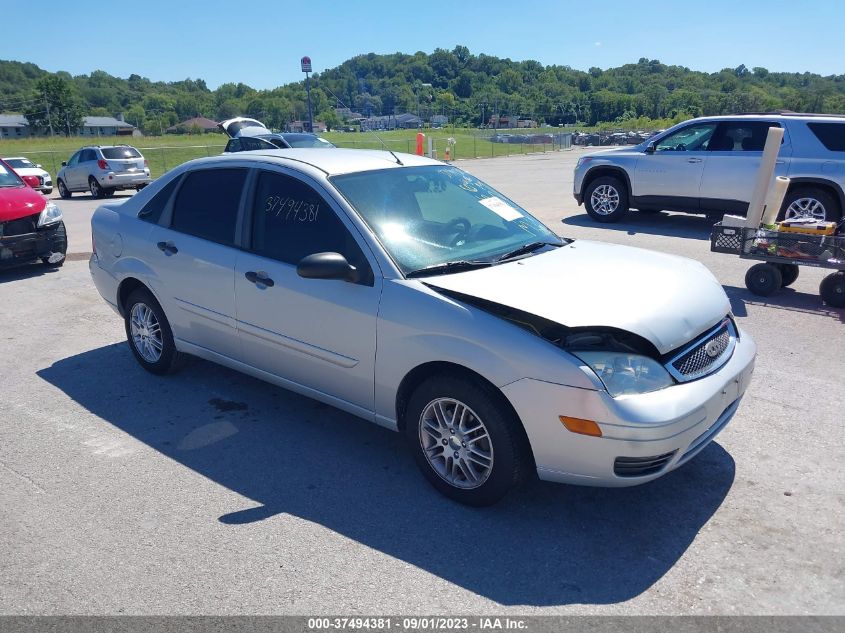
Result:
pixel 250 134
pixel 411 294
pixel 708 165
pixel 31 227
pixel 102 170
pixel 25 167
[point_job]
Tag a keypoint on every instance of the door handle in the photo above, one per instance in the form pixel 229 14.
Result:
pixel 168 248
pixel 780 162
pixel 259 278
pixel 694 160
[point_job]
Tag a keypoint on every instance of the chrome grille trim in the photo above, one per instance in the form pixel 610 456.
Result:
pixel 693 362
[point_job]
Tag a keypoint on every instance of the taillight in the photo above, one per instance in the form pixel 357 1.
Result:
pixel 146 164
pixel 102 164
pixel 93 243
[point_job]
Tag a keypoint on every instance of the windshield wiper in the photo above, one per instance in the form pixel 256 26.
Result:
pixel 448 267
pixel 525 249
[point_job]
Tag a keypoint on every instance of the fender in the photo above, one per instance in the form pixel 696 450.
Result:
pixel 605 170
pixel 808 180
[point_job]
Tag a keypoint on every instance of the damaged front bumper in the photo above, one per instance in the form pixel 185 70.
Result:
pixel 48 244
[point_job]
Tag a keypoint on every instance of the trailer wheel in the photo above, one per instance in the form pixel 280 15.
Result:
pixel 832 290
pixel 789 273
pixel 763 279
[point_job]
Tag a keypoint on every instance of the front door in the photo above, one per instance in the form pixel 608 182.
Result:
pixel 319 334
pixel 670 177
pixel 193 256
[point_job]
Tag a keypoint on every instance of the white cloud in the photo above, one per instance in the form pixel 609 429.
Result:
pixel 598 43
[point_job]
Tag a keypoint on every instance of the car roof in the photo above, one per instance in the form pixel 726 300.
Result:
pixel 15 158
pixel 773 116
pixel 331 161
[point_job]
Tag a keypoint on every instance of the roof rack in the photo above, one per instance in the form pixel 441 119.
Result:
pixel 787 113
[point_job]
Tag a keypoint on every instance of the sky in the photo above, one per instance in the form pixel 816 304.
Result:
pixel 261 42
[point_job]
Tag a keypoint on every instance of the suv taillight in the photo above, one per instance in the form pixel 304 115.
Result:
pixel 102 164
pixel 146 164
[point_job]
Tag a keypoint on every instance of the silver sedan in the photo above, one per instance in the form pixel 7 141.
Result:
pixel 409 293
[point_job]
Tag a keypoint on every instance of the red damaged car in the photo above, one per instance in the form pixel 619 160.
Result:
pixel 31 226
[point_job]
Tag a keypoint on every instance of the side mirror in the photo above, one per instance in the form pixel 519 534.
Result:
pixel 64 163
pixel 39 166
pixel 327 266
pixel 32 181
pixel 650 148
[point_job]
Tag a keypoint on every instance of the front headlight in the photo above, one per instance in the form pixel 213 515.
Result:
pixel 624 373
pixel 50 215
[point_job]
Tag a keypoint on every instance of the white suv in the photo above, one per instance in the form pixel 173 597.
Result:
pixel 708 165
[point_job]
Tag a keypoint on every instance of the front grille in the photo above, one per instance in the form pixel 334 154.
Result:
pixel 21 226
pixel 704 355
pixel 641 466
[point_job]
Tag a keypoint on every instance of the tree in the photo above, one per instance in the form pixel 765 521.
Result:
pixel 59 108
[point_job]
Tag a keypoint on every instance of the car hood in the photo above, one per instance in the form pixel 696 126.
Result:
pixel 19 202
pixel 665 299
pixel 30 171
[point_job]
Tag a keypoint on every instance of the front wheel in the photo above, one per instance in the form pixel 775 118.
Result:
pixel 832 290
pixel 465 440
pixel 763 279
pixel 64 192
pixel 606 199
pixel 149 334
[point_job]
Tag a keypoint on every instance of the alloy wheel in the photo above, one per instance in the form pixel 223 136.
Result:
pixel 146 332
pixel 604 199
pixel 806 208
pixel 456 443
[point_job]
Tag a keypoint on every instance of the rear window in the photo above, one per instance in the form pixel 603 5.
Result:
pixel 120 152
pixel 831 135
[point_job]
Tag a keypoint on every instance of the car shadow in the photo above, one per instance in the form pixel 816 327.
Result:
pixel 784 299
pixel 26 271
pixel 661 223
pixel 544 544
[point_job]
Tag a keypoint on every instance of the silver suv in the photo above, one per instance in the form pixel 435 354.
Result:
pixel 102 170
pixel 708 165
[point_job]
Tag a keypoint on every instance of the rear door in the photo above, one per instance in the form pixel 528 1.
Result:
pixel 670 178
pixel 734 155
pixel 192 251
pixel 317 333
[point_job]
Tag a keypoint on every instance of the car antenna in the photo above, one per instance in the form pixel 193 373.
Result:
pixel 383 144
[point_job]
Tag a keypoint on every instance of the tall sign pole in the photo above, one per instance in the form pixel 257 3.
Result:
pixel 306 68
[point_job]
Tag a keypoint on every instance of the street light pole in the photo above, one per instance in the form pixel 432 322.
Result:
pixel 306 68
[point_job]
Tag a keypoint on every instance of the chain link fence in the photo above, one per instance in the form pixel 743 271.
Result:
pixel 445 145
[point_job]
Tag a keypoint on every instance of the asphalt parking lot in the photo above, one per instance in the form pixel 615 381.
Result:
pixel 211 492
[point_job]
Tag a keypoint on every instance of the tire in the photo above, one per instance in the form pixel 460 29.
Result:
pixel 108 193
pixel 97 191
pixel 64 192
pixel 47 192
pixel 788 273
pixel 479 480
pixel 832 290
pixel 810 201
pixel 140 306
pixel 139 187
pixel 606 199
pixel 763 279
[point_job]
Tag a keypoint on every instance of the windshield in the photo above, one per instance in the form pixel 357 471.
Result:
pixel 306 140
pixel 113 153
pixel 19 163
pixel 8 178
pixel 426 216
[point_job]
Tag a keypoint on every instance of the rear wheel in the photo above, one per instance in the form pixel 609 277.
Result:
pixel 96 189
pixel 108 193
pixel 465 440
pixel 606 199
pixel 149 334
pixel 832 290
pixel 788 273
pixel 64 192
pixel 810 202
pixel 763 279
